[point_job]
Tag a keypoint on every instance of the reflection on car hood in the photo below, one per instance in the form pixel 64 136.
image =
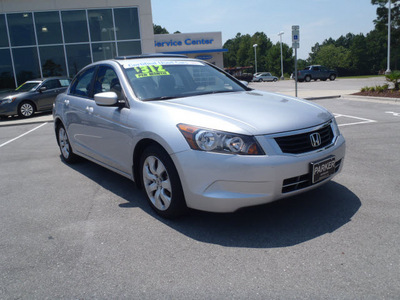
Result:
pixel 12 93
pixel 254 112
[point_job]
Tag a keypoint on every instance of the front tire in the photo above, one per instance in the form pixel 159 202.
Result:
pixel 332 77
pixel 161 183
pixel 67 154
pixel 307 78
pixel 26 109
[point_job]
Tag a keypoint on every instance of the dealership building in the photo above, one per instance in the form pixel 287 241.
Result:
pixel 42 38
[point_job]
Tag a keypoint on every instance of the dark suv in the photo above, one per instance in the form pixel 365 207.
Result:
pixel 316 72
pixel 32 96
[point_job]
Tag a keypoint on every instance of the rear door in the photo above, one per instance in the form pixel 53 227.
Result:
pixel 76 110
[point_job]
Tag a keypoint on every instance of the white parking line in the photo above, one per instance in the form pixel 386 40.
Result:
pixel 22 135
pixel 361 120
pixel 393 113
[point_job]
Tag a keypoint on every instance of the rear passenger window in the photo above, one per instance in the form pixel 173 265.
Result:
pixel 82 84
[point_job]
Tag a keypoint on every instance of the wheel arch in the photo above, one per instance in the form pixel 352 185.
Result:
pixel 57 123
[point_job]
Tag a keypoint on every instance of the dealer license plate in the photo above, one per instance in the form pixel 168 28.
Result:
pixel 323 169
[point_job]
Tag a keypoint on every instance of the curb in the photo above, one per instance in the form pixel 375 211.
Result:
pixel 369 98
pixel 322 97
pixel 29 121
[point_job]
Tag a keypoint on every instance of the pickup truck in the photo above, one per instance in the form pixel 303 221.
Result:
pixel 316 72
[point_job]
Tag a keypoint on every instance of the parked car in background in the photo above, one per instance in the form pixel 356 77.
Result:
pixel 316 72
pixel 264 76
pixel 193 136
pixel 32 96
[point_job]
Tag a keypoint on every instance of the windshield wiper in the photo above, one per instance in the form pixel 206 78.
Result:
pixel 163 98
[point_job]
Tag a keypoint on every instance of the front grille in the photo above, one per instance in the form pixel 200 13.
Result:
pixel 301 143
pixel 300 182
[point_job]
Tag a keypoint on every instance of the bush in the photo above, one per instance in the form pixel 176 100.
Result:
pixel 394 78
pixel 381 89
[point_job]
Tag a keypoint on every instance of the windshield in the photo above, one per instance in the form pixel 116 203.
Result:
pixel 161 80
pixel 27 86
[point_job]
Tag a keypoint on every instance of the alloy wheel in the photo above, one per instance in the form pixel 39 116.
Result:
pixel 64 143
pixel 26 110
pixel 157 183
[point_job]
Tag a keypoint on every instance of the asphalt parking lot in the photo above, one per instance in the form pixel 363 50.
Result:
pixel 83 232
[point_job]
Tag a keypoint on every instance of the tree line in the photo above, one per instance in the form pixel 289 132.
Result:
pixel 351 54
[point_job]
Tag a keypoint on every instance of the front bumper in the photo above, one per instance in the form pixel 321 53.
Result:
pixel 8 109
pixel 224 182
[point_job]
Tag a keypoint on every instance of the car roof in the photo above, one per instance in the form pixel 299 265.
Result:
pixel 150 55
pixel 46 78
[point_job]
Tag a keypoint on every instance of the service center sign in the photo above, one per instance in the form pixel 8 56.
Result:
pixel 187 42
pixel 181 42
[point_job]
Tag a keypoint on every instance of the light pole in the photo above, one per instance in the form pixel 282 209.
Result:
pixel 255 56
pixel 280 36
pixel 388 71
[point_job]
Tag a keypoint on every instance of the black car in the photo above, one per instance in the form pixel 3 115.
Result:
pixel 32 96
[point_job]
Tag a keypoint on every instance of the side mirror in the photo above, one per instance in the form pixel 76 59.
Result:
pixel 42 89
pixel 106 99
pixel 245 83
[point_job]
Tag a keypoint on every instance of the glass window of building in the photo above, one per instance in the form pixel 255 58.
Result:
pixel 48 28
pixel 127 23
pixel 75 26
pixel 101 25
pixel 21 29
pixel 52 59
pixel 78 56
pixel 26 64
pixel 6 71
pixel 103 51
pixel 129 48
pixel 3 32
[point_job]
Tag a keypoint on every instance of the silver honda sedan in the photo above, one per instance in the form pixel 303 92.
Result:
pixel 192 136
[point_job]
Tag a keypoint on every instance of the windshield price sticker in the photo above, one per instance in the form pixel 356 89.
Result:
pixel 152 70
pixel 129 65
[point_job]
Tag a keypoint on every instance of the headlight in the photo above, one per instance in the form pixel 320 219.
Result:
pixel 7 100
pixel 218 141
pixel 335 127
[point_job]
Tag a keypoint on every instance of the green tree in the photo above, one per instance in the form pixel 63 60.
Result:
pixel 273 61
pixel 333 57
pixel 381 24
pixel 241 51
pixel 159 30
pixel 376 51
pixel 359 62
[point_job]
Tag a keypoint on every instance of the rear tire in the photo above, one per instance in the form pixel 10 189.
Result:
pixel 332 77
pixel 67 154
pixel 161 183
pixel 26 109
pixel 307 78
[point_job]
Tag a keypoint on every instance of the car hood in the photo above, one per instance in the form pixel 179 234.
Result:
pixel 12 93
pixel 252 112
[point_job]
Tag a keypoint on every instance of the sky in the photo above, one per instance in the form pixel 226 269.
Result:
pixel 318 19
